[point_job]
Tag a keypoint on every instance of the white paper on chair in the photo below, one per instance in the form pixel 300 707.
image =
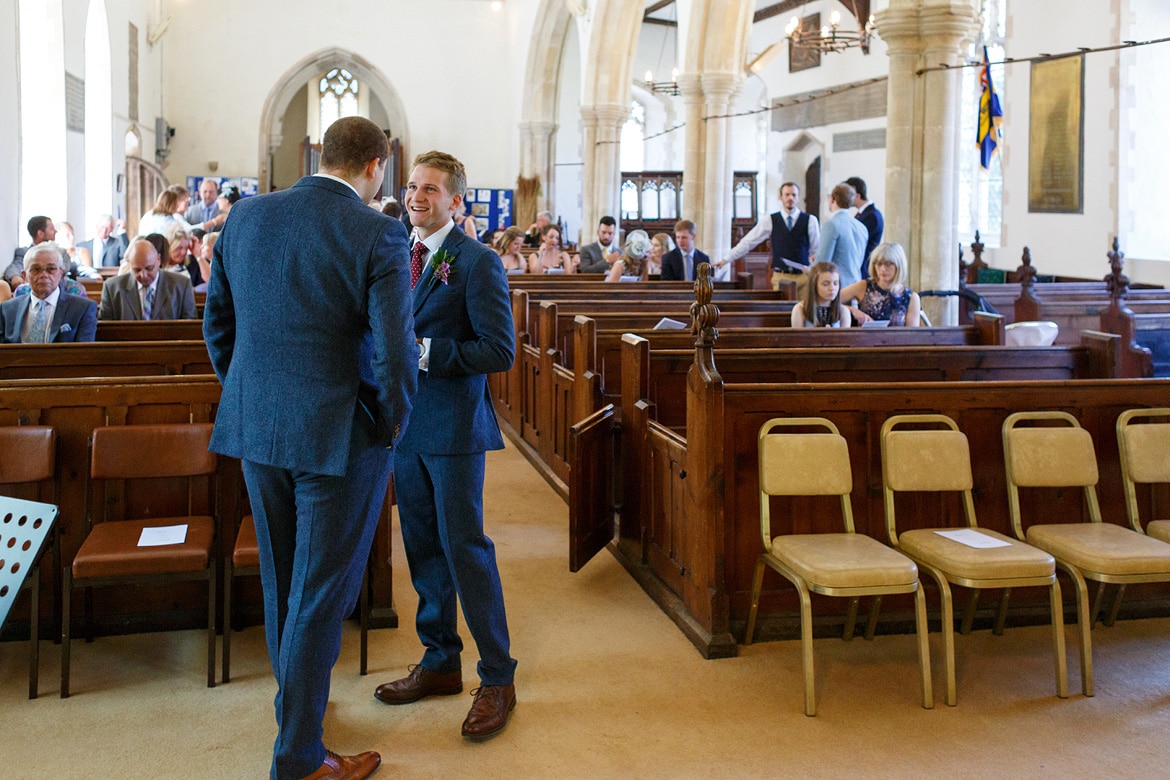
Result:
pixel 972 538
pixel 666 323
pixel 164 535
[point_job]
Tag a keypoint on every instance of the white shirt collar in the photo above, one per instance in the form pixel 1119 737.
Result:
pixel 140 286
pixel 338 178
pixel 51 299
pixel 436 239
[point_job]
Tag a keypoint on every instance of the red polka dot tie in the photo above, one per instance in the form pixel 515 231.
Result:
pixel 416 262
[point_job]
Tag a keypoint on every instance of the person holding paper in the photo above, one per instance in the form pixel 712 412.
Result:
pixel 794 234
pixel 884 295
pixel 313 341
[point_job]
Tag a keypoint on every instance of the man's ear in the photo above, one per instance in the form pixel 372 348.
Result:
pixel 372 168
pixel 456 202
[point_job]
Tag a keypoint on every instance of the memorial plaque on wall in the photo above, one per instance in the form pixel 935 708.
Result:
pixel 1056 145
pixel 74 103
pixel 800 57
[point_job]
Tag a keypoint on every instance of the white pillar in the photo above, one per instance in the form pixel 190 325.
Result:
pixel 537 157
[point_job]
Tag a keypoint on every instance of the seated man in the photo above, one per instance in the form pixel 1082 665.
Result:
pixel 680 263
pixel 536 229
pixel 105 248
pixel 47 314
pixel 598 257
pixel 145 294
pixel 40 229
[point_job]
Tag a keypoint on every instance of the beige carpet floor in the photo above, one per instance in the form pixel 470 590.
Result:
pixel 607 687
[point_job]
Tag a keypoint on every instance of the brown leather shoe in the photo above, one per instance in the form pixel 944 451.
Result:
pixel 489 711
pixel 338 767
pixel 419 683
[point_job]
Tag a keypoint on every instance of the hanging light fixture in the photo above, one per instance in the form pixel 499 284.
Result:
pixel 830 38
pixel 663 87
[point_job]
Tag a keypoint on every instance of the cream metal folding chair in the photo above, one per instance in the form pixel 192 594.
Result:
pixel 1062 456
pixel 834 564
pixel 935 460
pixel 1145 458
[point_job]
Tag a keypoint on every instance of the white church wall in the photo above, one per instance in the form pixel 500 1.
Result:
pixel 1066 244
pixel 448 61
pixel 567 187
pixel 74 14
pixel 11 231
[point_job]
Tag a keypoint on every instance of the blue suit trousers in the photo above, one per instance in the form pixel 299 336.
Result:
pixel 314 533
pixel 440 503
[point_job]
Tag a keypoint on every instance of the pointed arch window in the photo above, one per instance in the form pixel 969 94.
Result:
pixel 338 91
pixel 981 190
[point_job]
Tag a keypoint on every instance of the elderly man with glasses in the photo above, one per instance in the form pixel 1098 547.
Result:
pixel 47 314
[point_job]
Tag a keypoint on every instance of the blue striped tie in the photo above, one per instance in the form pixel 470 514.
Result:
pixel 148 306
pixel 36 331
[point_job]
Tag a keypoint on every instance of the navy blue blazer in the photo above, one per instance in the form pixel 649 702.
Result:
pixel 74 319
pixel 113 253
pixel 672 264
pixel 309 328
pixel 469 322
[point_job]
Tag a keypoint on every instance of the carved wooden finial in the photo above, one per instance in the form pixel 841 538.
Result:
pixel 977 263
pixel 1116 282
pixel 704 314
pixel 1026 272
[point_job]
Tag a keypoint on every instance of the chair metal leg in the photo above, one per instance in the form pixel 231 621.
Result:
pixel 948 629
pixel 806 650
pixel 1083 627
pixel 969 612
pixel 211 571
pixel 227 620
pixel 34 631
pixel 1057 607
pixel 66 626
pixel 1098 599
pixel 874 610
pixel 850 618
pixel 757 584
pixel 923 647
pixel 1001 613
pixel 364 620
pixel 1109 621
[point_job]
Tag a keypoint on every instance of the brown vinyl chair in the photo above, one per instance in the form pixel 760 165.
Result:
pixel 110 554
pixel 939 460
pixel 848 564
pixel 1062 456
pixel 29 461
pixel 245 562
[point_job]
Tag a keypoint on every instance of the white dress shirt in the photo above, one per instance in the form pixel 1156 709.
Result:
pixel 763 231
pixel 50 309
pixel 432 243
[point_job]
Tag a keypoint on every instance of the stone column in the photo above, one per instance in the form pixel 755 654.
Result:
pixel 694 149
pixel 601 176
pixel 898 28
pixel 714 227
pixel 944 30
pixel 537 157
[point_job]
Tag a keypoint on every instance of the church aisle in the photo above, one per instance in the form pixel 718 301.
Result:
pixel 607 687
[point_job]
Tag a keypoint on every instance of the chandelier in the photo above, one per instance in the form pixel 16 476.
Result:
pixel 663 87
pixel 829 38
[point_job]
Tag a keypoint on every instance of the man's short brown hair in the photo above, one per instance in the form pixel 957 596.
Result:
pixel 684 224
pixel 350 143
pixel 456 173
pixel 843 195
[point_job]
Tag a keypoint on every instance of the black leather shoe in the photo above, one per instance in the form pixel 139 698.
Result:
pixel 419 683
pixel 489 711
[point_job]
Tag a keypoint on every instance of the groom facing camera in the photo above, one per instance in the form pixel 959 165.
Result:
pixel 463 320
pixel 312 338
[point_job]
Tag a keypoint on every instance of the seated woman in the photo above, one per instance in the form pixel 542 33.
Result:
pixel 884 295
pixel 167 210
pixel 821 306
pixel 466 222
pixel 507 246
pixel 633 261
pixel 549 254
pixel 660 244
pixel 206 252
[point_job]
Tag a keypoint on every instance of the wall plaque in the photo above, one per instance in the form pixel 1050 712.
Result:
pixel 1056 145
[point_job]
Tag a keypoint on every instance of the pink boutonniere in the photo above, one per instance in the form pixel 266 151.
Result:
pixel 442 266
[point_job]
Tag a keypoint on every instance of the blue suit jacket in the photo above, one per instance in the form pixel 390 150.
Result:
pixel 673 267
pixel 114 251
pixel 875 225
pixel 302 280
pixel 74 319
pixel 469 322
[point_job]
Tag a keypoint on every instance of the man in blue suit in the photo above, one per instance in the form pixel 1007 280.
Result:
pixel 105 249
pixel 680 263
pixel 48 314
pixel 463 320
pixel 309 329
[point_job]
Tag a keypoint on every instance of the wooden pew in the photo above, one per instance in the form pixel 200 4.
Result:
pixel 108 359
pixel 693 538
pixel 154 330
pixel 75 407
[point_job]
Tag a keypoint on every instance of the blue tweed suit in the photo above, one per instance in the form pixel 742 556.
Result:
pixel 439 463
pixel 309 329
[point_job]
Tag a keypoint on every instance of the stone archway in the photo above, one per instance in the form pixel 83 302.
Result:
pixel 272 115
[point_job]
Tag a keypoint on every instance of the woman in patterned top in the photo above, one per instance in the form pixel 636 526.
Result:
pixel 884 296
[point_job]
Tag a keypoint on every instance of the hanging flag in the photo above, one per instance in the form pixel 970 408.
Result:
pixel 990 115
